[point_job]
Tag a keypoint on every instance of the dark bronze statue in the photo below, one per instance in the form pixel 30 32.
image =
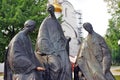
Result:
pixel 94 58
pixel 20 62
pixel 51 45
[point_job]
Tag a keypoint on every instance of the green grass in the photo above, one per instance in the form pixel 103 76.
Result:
pixel 117 77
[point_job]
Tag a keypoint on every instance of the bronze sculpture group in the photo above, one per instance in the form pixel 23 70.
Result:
pixel 50 61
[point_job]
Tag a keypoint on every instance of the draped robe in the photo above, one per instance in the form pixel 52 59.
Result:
pixel 52 43
pixel 94 56
pixel 20 62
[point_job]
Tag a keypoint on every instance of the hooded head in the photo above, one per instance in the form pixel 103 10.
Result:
pixel 29 25
pixel 88 27
pixel 50 9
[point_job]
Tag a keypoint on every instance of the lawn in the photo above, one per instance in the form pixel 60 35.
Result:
pixel 117 77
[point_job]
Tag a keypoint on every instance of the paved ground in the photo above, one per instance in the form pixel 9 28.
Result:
pixel 1 77
pixel 113 70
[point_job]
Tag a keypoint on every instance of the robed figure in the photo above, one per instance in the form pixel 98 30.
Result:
pixel 20 62
pixel 51 45
pixel 94 57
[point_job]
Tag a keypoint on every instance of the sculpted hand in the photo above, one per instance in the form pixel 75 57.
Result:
pixel 40 69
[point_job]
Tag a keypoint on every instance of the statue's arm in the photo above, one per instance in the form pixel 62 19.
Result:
pixel 81 53
pixel 21 61
pixel 106 62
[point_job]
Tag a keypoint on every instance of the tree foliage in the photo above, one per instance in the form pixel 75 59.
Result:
pixel 113 32
pixel 13 14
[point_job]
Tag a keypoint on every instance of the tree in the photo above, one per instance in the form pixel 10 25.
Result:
pixel 13 14
pixel 113 32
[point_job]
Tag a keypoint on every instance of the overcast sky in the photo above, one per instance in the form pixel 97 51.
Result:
pixel 95 12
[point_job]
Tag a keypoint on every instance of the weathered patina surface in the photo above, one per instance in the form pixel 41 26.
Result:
pixel 51 45
pixel 20 62
pixel 94 57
